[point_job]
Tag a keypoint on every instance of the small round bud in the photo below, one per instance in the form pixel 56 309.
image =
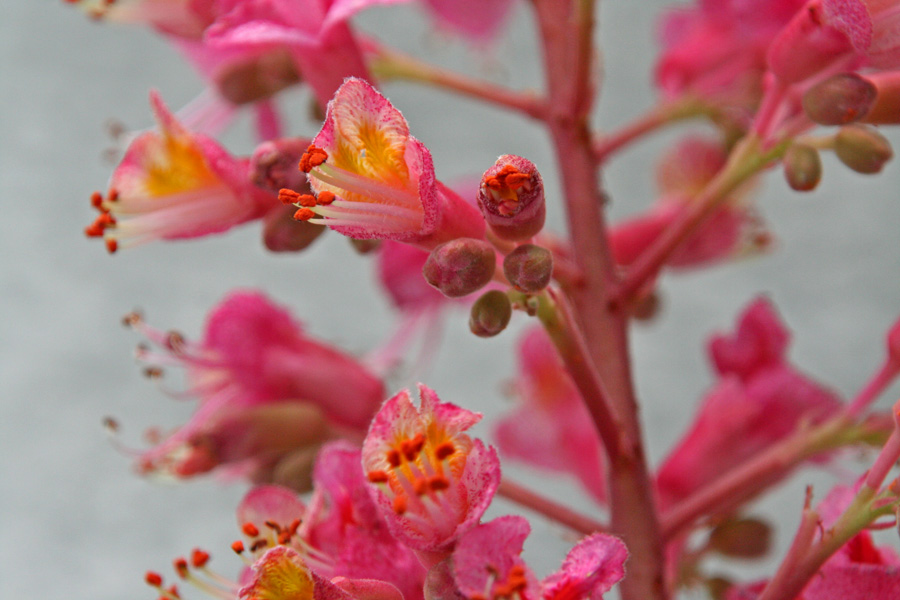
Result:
pixel 802 167
pixel 490 314
pixel 741 538
pixel 839 100
pixel 862 148
pixel 511 198
pixel 460 266
pixel 528 268
pixel 281 233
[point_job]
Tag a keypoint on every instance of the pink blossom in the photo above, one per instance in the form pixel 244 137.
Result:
pixel 269 394
pixel 374 180
pixel 430 480
pixel 175 184
pixel 185 18
pixel 717 48
pixel 487 564
pixel 340 533
pixel 734 230
pixel 550 428
pixel 758 400
pixel 479 20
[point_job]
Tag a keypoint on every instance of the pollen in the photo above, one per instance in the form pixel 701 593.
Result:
pixel 312 158
pixel 325 197
pixel 250 529
pixel 288 196
pixel 304 214
pixel 199 558
pixel 153 578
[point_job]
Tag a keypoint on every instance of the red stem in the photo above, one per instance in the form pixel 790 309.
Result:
pixel 550 509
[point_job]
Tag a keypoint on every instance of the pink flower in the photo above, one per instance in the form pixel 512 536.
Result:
pixel 487 564
pixel 759 399
pixel 175 184
pixel 341 532
pixel 430 480
pixel 735 230
pixel 551 428
pixel 269 394
pixel 186 18
pixel 374 180
pixel 717 48
pixel 479 20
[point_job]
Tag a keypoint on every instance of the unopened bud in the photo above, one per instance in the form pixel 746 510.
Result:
pixel 741 538
pixel 282 233
pixel 258 78
pixel 862 148
pixel 490 314
pixel 460 266
pixel 273 165
pixel 802 167
pixel 511 198
pixel 839 100
pixel 528 268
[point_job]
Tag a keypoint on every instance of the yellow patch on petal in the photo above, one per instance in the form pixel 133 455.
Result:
pixel 175 165
pixel 280 575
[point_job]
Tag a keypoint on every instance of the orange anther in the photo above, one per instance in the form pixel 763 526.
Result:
pixel 438 482
pixel 97 200
pixel 199 558
pixel 516 180
pixel 250 529
pixel 377 476
pixel 237 546
pixel 313 157
pixel 393 457
pixel 112 195
pixel 412 448
pixel 326 197
pixel 304 214
pixel 111 246
pixel 258 544
pixel 444 450
pixel 288 196
pixel 153 578
pixel 307 200
pixel 399 504
pixel 420 486
pixel 284 537
pixel 295 525
pixel 181 567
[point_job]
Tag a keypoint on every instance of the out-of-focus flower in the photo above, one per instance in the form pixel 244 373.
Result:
pixel 716 49
pixel 551 428
pixel 430 480
pixel 374 180
pixel 759 399
pixel 185 18
pixel 735 230
pixel 175 184
pixel 479 20
pixel 269 394
pixel 487 564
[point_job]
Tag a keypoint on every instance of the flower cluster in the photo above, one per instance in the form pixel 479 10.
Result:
pixel 397 491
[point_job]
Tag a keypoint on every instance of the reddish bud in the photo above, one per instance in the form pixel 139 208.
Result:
pixel 511 198
pixel 490 314
pixel 802 167
pixel 460 266
pixel 528 268
pixel 282 233
pixel 862 148
pixel 741 538
pixel 273 165
pixel 886 108
pixel 839 100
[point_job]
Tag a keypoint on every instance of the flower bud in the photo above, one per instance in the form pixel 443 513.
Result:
pixel 528 268
pixel 741 538
pixel 511 198
pixel 460 266
pixel 259 78
pixel 802 167
pixel 839 100
pixel 282 233
pixel 862 148
pixel 273 165
pixel 490 314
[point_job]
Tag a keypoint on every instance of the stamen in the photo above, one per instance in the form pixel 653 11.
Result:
pixel 399 504
pixel 237 546
pixel 288 196
pixel 199 558
pixel 325 197
pixel 153 578
pixel 304 214
pixel 181 567
pixel 365 187
pixel 112 245
pixel 377 476
pixel 393 458
pixel 444 450
pixel 313 157
pixel 250 529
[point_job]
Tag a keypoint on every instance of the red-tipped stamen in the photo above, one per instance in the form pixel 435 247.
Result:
pixel 313 157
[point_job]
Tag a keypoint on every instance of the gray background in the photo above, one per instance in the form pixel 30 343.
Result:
pixel 76 523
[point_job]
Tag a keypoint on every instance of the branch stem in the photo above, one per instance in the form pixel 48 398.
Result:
pixel 554 511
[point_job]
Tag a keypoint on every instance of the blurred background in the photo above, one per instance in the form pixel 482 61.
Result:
pixel 77 523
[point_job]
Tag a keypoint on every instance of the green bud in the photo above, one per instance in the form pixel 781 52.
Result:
pixel 802 167
pixel 490 314
pixel 862 148
pixel 528 268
